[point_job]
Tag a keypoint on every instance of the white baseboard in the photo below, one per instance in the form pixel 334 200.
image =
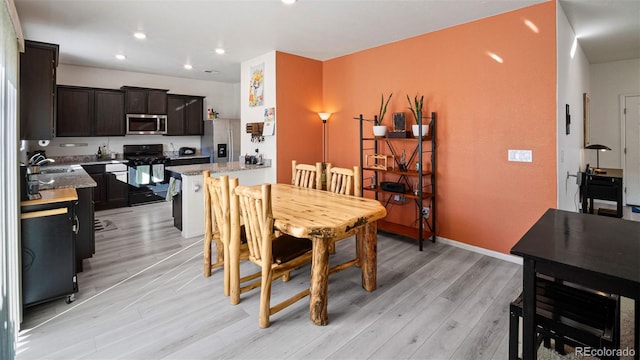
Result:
pixel 479 250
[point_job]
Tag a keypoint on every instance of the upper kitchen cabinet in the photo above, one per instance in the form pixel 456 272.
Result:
pixel 145 101
pixel 38 66
pixel 74 111
pixel 185 115
pixel 89 112
pixel 109 113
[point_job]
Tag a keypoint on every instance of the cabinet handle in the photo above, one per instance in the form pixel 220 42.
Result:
pixel 76 224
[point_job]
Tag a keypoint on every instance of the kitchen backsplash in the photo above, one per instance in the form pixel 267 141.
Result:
pixel 88 146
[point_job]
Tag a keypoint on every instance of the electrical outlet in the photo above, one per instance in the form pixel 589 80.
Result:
pixel 520 155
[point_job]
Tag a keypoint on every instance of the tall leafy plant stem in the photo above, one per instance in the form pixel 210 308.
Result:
pixel 416 107
pixel 383 109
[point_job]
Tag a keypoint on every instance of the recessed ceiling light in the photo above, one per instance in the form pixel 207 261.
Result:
pixel 120 57
pixel 219 51
pixel 188 66
pixel 140 35
pixel 289 2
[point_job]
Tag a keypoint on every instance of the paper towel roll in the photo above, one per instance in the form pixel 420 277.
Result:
pixel 43 143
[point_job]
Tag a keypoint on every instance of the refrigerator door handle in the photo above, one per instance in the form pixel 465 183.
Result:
pixel 230 155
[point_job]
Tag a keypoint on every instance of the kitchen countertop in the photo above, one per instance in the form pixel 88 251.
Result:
pixel 197 169
pixel 53 196
pixel 78 178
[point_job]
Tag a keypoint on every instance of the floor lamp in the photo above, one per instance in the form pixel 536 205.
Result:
pixel 324 116
pixel 598 148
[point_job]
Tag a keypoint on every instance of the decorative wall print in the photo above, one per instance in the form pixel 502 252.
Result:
pixel 256 86
pixel 269 122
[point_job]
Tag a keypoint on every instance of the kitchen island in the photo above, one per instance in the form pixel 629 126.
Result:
pixel 188 201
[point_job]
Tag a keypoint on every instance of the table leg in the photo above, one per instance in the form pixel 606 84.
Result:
pixel 369 254
pixel 636 326
pixel 529 350
pixel 319 296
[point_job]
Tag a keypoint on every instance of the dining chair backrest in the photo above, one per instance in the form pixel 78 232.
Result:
pixel 213 228
pixel 344 181
pixel 256 212
pixel 305 175
pixel 276 255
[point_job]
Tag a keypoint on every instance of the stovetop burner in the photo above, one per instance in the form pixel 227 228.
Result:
pixel 144 154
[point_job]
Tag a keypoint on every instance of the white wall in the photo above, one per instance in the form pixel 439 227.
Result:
pixel 222 97
pixel 256 114
pixel 572 82
pixel 608 82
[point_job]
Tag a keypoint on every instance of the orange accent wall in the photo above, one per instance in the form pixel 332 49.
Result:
pixel 298 101
pixel 484 108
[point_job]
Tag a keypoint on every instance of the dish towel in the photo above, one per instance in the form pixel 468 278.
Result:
pixel 157 173
pixel 174 188
pixel 142 174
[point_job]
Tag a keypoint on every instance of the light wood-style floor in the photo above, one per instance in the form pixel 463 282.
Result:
pixel 143 296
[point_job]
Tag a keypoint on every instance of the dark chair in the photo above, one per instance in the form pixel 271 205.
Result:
pixel 569 314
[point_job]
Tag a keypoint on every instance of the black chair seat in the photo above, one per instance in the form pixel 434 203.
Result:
pixel 287 247
pixel 570 314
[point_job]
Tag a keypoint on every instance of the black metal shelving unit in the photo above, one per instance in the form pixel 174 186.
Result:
pixel 418 176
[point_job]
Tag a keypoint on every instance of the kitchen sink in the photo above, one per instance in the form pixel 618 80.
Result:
pixel 56 170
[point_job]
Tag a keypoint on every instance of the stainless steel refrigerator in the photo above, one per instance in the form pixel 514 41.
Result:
pixel 221 140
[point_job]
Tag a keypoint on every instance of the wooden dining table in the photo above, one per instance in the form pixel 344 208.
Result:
pixel 324 217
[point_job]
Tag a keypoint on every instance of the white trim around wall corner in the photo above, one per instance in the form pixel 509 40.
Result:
pixel 479 250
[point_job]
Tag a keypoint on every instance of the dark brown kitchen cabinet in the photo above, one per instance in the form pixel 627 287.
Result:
pixel 97 171
pixel 85 238
pixel 145 101
pixel 185 115
pixel 85 111
pixel 74 111
pixel 194 116
pixel 109 193
pixel 109 113
pixel 38 66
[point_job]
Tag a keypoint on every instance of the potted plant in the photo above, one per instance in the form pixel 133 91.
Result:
pixel 416 110
pixel 378 128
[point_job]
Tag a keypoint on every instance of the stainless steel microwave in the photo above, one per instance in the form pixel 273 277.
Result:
pixel 141 124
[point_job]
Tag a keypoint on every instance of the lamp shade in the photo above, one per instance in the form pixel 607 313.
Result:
pixel 598 147
pixel 324 116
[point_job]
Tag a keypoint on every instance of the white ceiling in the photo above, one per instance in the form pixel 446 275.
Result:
pixel 90 33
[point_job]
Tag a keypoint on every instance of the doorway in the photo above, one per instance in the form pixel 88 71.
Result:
pixel 630 105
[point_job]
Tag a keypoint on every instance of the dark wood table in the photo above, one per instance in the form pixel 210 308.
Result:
pixel 599 252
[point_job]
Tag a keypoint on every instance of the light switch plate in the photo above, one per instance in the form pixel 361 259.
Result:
pixel 520 155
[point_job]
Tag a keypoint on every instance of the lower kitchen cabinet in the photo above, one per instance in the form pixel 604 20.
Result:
pixel 85 239
pixel 109 193
pixel 48 249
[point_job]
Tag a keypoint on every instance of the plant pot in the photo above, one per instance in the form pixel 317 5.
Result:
pixel 380 130
pixel 415 129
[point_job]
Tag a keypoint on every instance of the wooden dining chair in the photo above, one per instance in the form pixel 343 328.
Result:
pixel 306 175
pixel 218 228
pixel 275 254
pixel 212 230
pixel 344 181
